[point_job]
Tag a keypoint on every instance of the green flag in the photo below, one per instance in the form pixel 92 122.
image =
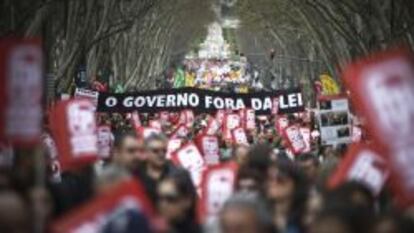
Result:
pixel 179 78
pixel 119 89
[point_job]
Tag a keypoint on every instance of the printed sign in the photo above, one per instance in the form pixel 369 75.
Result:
pixel 74 130
pixel 173 145
pixel 239 136
pixel 181 132
pixel 382 88
pixel 82 93
pixel 190 158
pixel 363 164
pixel 294 138
pixel 105 141
pixel 217 186
pixel 209 147
pixel 250 119
pixel 306 136
pixel 213 126
pixel 334 121
pixel 21 87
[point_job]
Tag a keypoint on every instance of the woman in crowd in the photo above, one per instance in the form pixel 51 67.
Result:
pixel 287 192
pixel 177 202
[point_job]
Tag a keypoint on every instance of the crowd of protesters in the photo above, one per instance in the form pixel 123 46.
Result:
pixel 273 191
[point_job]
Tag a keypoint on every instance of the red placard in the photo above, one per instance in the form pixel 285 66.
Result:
pixel 190 158
pixel 105 141
pixel 217 186
pixel 213 126
pixel 250 119
pixel 306 135
pixel 239 136
pixel 74 130
pixel 382 90
pixel 294 139
pixel 173 145
pixel 180 132
pixel 209 147
pixel 231 122
pixel 281 123
pixel 21 87
pixel 363 164
pixel 126 202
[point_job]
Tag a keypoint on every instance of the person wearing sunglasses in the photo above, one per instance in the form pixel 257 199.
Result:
pixel 287 192
pixel 177 202
pixel 156 165
pixel 128 151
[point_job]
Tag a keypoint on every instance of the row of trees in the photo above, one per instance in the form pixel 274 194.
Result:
pixel 131 42
pixel 314 36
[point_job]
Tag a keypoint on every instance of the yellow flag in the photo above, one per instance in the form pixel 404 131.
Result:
pixel 189 79
pixel 329 85
pixel 244 89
